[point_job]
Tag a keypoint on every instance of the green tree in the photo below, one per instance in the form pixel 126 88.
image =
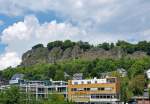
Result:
pixel 126 92
pixel 38 46
pixel 54 44
pixel 59 75
pixel 84 45
pixel 104 45
pixel 10 96
pixel 137 84
pixel 112 45
pixel 67 44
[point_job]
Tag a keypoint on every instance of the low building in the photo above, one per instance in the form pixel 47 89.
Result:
pixel 144 99
pixel 122 72
pixel 77 76
pixel 42 89
pixel 16 78
pixel 148 73
pixel 141 100
pixel 3 81
pixel 94 91
pixel 105 74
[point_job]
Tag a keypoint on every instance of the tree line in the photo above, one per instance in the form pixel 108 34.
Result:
pixel 127 47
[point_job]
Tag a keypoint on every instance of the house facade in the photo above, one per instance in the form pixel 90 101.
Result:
pixel 42 89
pixel 94 91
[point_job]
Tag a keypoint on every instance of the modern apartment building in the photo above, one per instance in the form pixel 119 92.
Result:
pixel 42 89
pixel 94 91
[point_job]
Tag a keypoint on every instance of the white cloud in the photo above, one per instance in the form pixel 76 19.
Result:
pixel 21 36
pixel 117 16
pixel 76 10
pixel 9 59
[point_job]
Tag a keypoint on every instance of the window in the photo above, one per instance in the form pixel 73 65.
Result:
pixel 93 89
pixel 73 89
pixel 97 96
pixel 111 80
pixel 104 96
pixel 108 96
pixel 75 83
pixel 93 96
pixel 108 88
pixel 102 89
pixel 89 82
pixel 88 89
pixel 40 89
pixel 80 89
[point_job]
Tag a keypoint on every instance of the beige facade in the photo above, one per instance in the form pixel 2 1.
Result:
pixel 94 90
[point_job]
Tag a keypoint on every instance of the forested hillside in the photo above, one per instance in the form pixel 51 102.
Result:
pixel 71 57
pixel 60 60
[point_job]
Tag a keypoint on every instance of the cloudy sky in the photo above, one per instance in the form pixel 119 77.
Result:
pixel 24 23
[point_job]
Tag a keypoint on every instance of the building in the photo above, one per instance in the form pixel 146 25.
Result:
pixel 77 76
pixel 122 71
pixel 16 78
pixel 94 91
pixel 3 81
pixel 105 74
pixel 141 100
pixel 148 73
pixel 42 89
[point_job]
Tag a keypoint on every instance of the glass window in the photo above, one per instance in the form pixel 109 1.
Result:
pixel 111 80
pixel 75 83
pixel 88 89
pixel 73 89
pixel 89 82
pixel 108 96
pixel 108 88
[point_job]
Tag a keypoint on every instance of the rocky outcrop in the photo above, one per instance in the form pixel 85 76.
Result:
pixel 34 56
pixel 43 55
pixel 54 55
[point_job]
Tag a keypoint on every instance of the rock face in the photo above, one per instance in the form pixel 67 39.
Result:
pixel 43 55
pixel 34 56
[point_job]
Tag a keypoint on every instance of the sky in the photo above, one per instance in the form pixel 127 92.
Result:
pixel 29 22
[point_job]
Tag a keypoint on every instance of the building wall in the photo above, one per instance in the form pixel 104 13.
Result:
pixel 143 101
pixel 101 91
pixel 40 90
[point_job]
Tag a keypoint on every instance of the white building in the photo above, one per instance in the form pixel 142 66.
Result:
pixel 122 71
pixel 16 78
pixel 42 89
pixel 148 73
